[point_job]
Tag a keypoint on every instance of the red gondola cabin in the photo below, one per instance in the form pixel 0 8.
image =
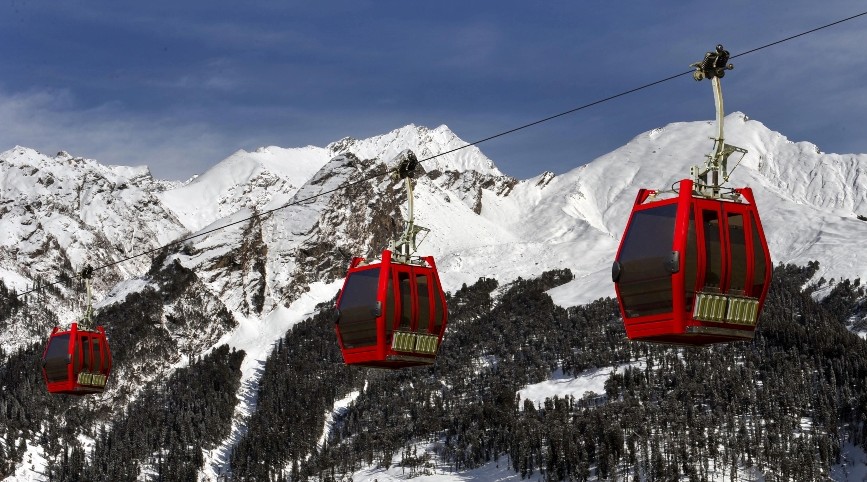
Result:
pixel 692 270
pixel 76 362
pixel 391 315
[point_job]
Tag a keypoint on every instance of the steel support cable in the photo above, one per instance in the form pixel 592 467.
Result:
pixel 501 134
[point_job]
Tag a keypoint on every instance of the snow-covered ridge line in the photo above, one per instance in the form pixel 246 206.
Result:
pixel 810 203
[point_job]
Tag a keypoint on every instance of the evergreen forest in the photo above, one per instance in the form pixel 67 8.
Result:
pixel 782 405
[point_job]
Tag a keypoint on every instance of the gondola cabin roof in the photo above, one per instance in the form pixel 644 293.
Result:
pixel 390 314
pixel 692 270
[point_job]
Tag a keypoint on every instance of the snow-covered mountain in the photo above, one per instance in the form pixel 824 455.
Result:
pixel 809 202
pixel 62 212
pixel 268 271
pixel 482 221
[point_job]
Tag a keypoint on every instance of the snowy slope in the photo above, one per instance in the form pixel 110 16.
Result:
pixel 268 177
pixel 78 206
pixel 808 201
pixel 261 179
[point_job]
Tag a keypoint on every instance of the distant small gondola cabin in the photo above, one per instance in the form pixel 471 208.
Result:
pixel 76 362
pixel 390 314
pixel 692 270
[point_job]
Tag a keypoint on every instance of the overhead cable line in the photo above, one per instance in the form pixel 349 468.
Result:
pixel 799 35
pixel 501 134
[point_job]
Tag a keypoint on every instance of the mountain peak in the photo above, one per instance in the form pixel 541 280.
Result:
pixel 438 149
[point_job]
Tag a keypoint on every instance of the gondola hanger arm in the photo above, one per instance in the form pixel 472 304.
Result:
pixel 713 67
pixel 86 274
pixel 405 246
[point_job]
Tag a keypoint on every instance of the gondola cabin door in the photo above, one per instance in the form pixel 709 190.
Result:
pixel 692 270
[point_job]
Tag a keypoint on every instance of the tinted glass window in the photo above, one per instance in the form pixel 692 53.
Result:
pixel 421 286
pixel 405 301
pixel 357 305
pixel 759 266
pixel 712 250
pixel 106 354
pixel 57 358
pixel 645 282
pixel 438 307
pixel 79 357
pixel 85 349
pixel 360 290
pixel 389 308
pixel 690 263
pixel 738 253
pixel 97 354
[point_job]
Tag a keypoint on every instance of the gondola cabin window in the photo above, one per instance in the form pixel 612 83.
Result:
pixel 83 358
pixel 437 307
pixel 738 254
pixel 645 281
pixel 390 307
pixel 57 359
pixel 405 301
pixel 421 284
pixel 690 262
pixel 713 251
pixel 359 308
pixel 97 353
pixel 760 267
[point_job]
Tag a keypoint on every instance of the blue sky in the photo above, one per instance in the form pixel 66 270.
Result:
pixel 178 86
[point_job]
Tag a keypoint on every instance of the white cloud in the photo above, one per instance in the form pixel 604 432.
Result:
pixel 49 121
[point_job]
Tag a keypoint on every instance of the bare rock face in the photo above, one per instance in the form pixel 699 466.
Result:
pixel 359 220
pixel 469 185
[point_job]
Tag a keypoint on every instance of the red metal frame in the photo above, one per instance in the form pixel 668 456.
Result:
pixel 381 354
pixel 71 385
pixel 679 326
